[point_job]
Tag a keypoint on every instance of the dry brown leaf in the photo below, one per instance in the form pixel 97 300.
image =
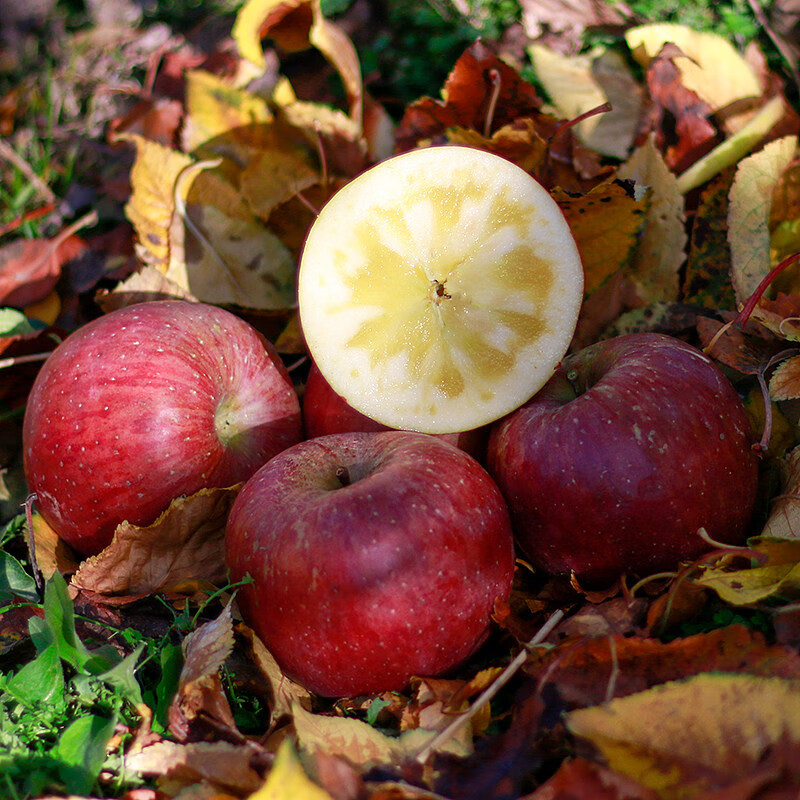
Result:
pixel 52 554
pixel 704 733
pixel 784 518
pixel 272 177
pixel 285 692
pixel 144 285
pixel 186 542
pixel 177 766
pixel 569 18
pixel 581 778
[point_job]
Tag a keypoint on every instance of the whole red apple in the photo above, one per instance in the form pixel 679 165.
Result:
pixel 146 404
pixel 326 412
pixel 615 464
pixel 374 557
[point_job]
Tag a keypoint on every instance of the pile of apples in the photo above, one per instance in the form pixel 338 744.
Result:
pixel 378 554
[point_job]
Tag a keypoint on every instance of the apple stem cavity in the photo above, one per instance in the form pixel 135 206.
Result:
pixel 343 476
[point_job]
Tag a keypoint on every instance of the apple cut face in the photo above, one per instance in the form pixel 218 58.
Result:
pixel 439 290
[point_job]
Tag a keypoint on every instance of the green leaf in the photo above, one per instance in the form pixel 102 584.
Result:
pixel 82 751
pixel 15 582
pixel 14 323
pixel 122 677
pixel 39 681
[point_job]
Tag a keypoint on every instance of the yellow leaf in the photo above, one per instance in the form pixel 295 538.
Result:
pixel 272 178
pixel 578 83
pixel 295 25
pixel 216 109
pixel 749 213
pixel 151 206
pixel 684 737
pixel 661 249
pixel 605 223
pixel 349 738
pixel 777 572
pixel 287 780
pixel 710 66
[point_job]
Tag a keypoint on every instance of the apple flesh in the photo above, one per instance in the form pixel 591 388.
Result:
pixel 633 445
pixel 146 404
pixel 374 557
pixel 326 412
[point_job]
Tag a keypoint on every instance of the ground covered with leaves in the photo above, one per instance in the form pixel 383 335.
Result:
pixel 149 154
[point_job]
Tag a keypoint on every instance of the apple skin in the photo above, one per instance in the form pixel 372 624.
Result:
pixel 612 467
pixel 359 586
pixel 325 412
pixel 146 404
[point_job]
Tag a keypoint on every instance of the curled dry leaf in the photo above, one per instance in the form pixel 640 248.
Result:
pixel 727 726
pixel 143 286
pixel 185 543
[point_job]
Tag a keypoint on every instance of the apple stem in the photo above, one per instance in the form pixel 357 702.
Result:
pixel 12 362
pixel 323 161
pixel 307 203
pixel 490 691
pixel 601 109
pixel 343 476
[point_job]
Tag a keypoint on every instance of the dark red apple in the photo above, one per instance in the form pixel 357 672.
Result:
pixel 615 464
pixel 374 557
pixel 326 412
pixel 146 404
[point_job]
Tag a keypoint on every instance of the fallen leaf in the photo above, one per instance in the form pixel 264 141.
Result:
pixel 146 284
pixel 661 248
pixel 287 780
pixel 776 571
pixel 680 117
pixel 569 19
pixel 285 692
pixel 30 268
pixel 272 177
pixel 478 84
pixel 580 83
pixel 685 737
pixel 52 554
pixel 747 350
pixel 151 207
pixel 707 280
pixel 780 315
pixel 200 705
pixel 579 777
pixel 709 65
pixel 749 214
pixel 225 120
pixel 785 381
pixel 588 671
pixel 177 766
pixel 605 223
pixel 186 542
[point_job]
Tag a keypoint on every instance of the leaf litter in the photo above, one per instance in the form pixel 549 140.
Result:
pixel 682 196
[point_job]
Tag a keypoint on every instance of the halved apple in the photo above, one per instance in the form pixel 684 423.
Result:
pixel 439 290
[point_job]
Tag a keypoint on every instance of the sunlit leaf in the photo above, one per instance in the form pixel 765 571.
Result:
pixel 580 83
pixel 710 65
pixel 185 542
pixel 81 749
pixel 749 213
pixel 287 780
pixel 686 737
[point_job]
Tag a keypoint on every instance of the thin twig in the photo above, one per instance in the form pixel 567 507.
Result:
pixel 491 690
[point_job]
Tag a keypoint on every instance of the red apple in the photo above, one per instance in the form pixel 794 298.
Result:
pixel 146 404
pixel 326 412
pixel 374 557
pixel 633 445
